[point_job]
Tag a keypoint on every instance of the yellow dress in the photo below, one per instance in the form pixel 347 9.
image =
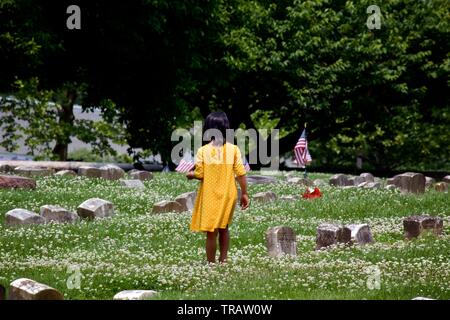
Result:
pixel 217 167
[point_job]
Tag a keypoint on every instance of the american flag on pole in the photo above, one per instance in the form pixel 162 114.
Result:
pixel 301 151
pixel 185 165
pixel 246 165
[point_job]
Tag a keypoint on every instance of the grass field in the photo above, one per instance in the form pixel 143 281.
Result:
pixel 136 249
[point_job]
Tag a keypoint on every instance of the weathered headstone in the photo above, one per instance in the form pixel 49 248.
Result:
pixel 281 240
pixel 187 200
pixel 95 208
pixel 19 216
pixel 57 214
pixel 8 181
pixel 33 172
pixel 415 225
pixel 90 172
pixel 409 182
pixel 261 179
pixel 372 185
pixel 429 181
pixel 167 206
pixel 66 173
pixel 288 198
pixel 111 172
pixel 319 183
pixel 360 233
pixel 265 196
pixel 301 181
pixel 446 179
pixel 355 181
pixel 141 175
pixel 340 180
pixel 135 295
pixel 5 168
pixel 136 184
pixel 329 234
pixel 27 289
pixel 368 177
pixel 441 186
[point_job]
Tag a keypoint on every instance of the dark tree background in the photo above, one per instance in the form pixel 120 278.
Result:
pixel 156 65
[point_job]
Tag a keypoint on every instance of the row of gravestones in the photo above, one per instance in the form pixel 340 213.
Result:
pixel 282 240
pixel 408 182
pixel 89 209
pixel 27 289
pixel 108 172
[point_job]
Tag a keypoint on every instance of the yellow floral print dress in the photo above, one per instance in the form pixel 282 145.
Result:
pixel 217 167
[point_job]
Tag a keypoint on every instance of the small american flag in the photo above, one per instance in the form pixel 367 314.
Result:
pixel 301 150
pixel 185 165
pixel 246 165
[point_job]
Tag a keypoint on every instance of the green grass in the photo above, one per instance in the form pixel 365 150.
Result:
pixel 136 249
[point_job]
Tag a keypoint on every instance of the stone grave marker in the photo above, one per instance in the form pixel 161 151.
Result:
pixel 329 234
pixel 58 214
pixel 27 289
pixel 135 183
pixel 360 233
pixel 95 208
pixel 281 240
pixel 265 196
pixel 141 175
pixel 416 225
pixel 20 216
pixel 135 295
pixel 187 200
pixel 9 182
pixel 167 206
pixel 111 172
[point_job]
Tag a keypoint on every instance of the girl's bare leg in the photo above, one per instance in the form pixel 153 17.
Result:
pixel 224 242
pixel 211 246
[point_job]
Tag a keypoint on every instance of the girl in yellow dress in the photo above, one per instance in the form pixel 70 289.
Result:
pixel 217 165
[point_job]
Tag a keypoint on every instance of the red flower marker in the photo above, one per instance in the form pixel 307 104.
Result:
pixel 312 193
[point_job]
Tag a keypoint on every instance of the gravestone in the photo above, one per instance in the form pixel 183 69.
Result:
pixel 33 172
pixel 57 214
pixel 391 187
pixel 368 177
pixel 9 181
pixel 90 172
pixel 446 179
pixel 355 181
pixel 340 180
pixel 95 208
pixel 372 185
pixel 281 240
pixel 319 183
pixel 265 196
pixel 27 289
pixel 360 233
pixel 19 216
pixel 135 295
pixel 301 181
pixel 5 168
pixel 111 172
pixel 409 182
pixel 141 175
pixel 329 234
pixel 187 200
pixel 66 173
pixel 441 187
pixel 167 206
pixel 260 179
pixel 288 198
pixel 136 184
pixel 429 181
pixel 416 225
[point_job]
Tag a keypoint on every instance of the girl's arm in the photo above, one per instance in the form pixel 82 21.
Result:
pixel 191 175
pixel 245 200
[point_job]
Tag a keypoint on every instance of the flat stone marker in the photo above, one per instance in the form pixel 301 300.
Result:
pixel 261 179
pixel 409 182
pixel 90 172
pixel 167 206
pixel 288 198
pixel 329 234
pixel 302 181
pixel 33 172
pixel 368 177
pixel 135 295
pixel 441 187
pixel 360 233
pixel 58 214
pixel 19 216
pixel 266 196
pixel 415 225
pixel 141 175
pixel 136 184
pixel 27 289
pixel 95 208
pixel 111 172
pixel 319 183
pixel 340 180
pixel 355 181
pixel 66 173
pixel 429 181
pixel 372 185
pixel 9 181
pixel 187 200
pixel 281 240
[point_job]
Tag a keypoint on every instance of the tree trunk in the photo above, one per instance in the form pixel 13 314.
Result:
pixel 66 119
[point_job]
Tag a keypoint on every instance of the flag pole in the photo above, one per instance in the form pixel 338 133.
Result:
pixel 305 174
